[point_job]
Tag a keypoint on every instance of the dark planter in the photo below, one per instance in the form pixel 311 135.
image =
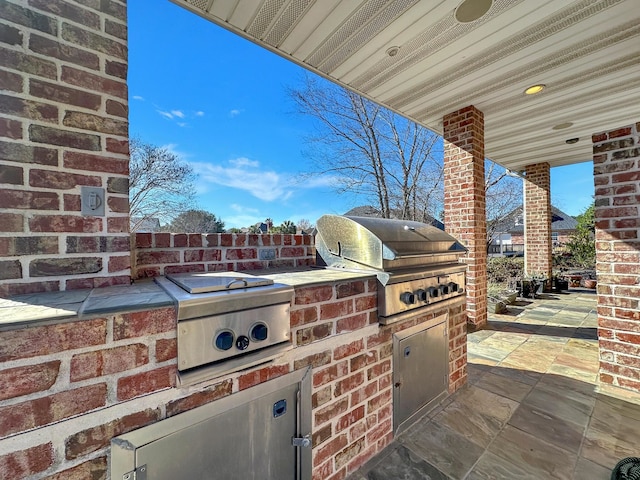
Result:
pixel 560 285
pixel 531 288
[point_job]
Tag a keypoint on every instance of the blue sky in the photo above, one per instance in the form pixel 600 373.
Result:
pixel 220 103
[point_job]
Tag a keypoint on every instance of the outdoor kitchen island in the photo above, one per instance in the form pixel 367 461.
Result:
pixel 80 368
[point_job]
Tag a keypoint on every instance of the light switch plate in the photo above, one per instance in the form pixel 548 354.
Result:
pixel 92 201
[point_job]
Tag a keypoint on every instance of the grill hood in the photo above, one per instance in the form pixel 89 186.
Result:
pixel 382 244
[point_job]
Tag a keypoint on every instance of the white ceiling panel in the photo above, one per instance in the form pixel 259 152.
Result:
pixel 586 52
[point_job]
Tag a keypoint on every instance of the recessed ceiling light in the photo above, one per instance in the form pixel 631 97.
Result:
pixel 472 10
pixel 572 140
pixel 392 51
pixel 533 89
pixel 562 126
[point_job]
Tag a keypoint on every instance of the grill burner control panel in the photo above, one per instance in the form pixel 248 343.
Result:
pixel 430 295
pixel 418 293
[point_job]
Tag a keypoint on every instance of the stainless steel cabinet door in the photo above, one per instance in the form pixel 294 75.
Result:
pixel 249 442
pixel 420 369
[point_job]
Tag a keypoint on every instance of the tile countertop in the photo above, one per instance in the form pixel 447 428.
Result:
pixel 53 307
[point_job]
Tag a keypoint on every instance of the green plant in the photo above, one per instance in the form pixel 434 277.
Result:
pixel 582 245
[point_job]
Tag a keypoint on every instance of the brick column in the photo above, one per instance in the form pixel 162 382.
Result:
pixel 464 201
pixel 63 126
pixel 616 170
pixel 537 220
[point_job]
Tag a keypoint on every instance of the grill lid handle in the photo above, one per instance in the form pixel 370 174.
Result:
pixel 413 229
pixel 243 280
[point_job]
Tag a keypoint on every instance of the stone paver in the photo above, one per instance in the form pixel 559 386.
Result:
pixel 533 407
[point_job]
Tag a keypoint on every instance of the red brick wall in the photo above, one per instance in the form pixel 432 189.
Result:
pixel 616 169
pixel 537 222
pixel 161 253
pixel 464 201
pixel 352 380
pixel 63 125
pixel 69 388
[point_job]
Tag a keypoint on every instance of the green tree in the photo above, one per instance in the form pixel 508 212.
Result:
pixel 581 244
pixel 196 221
pixel 288 227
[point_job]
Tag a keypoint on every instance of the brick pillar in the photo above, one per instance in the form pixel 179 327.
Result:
pixel 616 171
pixel 63 125
pixel 464 201
pixel 537 220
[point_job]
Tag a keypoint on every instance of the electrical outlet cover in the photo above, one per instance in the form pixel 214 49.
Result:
pixel 92 201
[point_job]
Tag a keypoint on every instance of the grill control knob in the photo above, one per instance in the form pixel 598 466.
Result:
pixel 422 295
pixel 259 332
pixel 444 289
pixel 408 298
pixel 453 287
pixel 242 343
pixel 433 292
pixel 224 340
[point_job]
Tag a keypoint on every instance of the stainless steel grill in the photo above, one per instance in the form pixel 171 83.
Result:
pixel 227 321
pixel 418 269
pixel 417 265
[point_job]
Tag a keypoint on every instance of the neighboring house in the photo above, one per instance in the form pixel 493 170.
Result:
pixel 145 225
pixel 507 235
pixel 371 211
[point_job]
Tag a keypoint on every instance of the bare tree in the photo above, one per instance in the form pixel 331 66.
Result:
pixel 503 195
pixel 160 184
pixel 372 151
pixel 304 224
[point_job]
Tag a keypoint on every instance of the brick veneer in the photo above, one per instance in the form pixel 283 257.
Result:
pixel 537 222
pixel 616 168
pixel 157 254
pixel 464 201
pixel 68 388
pixel 63 125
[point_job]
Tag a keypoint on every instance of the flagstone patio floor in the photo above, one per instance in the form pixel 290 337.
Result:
pixel 532 408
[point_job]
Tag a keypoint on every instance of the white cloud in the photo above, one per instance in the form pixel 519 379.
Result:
pixel 171 148
pixel 244 162
pixel 242 209
pixel 165 114
pixel 138 97
pixel 321 181
pixel 199 113
pixel 182 124
pixel 240 221
pixel 235 112
pixel 245 174
pixel 177 113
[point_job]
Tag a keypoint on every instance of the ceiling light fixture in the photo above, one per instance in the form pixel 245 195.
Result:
pixel 472 10
pixel 392 51
pixel 572 140
pixel 533 89
pixel 562 126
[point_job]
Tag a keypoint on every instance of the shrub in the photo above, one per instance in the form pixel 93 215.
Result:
pixel 501 269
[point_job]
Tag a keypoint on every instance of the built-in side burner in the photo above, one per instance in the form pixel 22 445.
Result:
pixel 228 321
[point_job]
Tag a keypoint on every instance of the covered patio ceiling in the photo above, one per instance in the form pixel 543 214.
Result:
pixel 426 58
